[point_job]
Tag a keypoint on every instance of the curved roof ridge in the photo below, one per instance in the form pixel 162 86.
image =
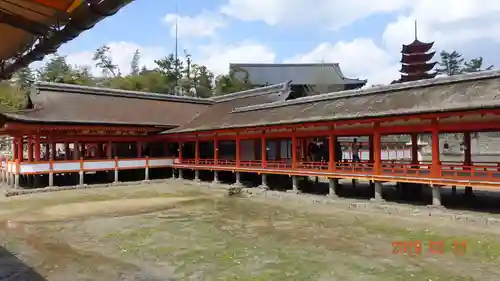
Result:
pixel 78 89
pixel 377 90
pixel 281 87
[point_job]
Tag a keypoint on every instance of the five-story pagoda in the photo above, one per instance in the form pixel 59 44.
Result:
pixel 415 59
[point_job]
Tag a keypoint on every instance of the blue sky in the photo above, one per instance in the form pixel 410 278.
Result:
pixel 363 36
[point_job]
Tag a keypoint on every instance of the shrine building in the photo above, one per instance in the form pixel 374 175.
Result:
pixel 75 135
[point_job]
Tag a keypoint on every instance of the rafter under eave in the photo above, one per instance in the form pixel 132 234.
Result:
pixel 23 23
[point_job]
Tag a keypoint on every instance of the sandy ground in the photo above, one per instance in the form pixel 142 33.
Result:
pixel 181 231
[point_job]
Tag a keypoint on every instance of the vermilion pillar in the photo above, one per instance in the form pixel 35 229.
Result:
pixel 197 152
pixel 14 148
pixel 331 151
pixel 20 149
pixel 180 151
pixel 37 147
pixel 30 148
pixel 263 150
pixel 294 151
pixel 216 151
pixel 436 164
pixel 238 150
pixel 371 151
pixel 377 152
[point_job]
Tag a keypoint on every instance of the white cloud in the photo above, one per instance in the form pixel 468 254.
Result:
pixel 218 56
pixel 450 23
pixel 331 13
pixel 204 24
pixel 462 22
pixel 215 56
pixel 121 54
pixel 360 58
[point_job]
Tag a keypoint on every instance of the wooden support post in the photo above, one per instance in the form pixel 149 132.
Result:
pixel 109 150
pixel 331 152
pixel 238 150
pixel 76 150
pixel 16 175
pixel 180 151
pixel 20 149
pixel 414 148
pixel 467 150
pixel 146 170
pixel 139 149
pixel 377 151
pixel 15 148
pixel 197 152
pixel 66 151
pixel 81 173
pixel 47 150
pixel 51 171
pixel 371 150
pixel 116 170
pixel 53 147
pixel 263 150
pixel 30 148
pixel 216 152
pixel 294 152
pixel 436 164
pixel 37 147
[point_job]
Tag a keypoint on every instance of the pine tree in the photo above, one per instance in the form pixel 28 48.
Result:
pixel 451 63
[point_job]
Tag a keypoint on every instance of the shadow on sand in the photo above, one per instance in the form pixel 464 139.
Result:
pixel 14 269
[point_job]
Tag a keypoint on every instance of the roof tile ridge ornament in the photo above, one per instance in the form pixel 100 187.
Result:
pixel 281 87
pixel 377 90
pixel 79 89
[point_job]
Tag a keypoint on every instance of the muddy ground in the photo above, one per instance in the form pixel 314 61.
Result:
pixel 181 231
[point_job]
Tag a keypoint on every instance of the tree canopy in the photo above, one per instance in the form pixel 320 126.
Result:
pixel 453 63
pixel 169 75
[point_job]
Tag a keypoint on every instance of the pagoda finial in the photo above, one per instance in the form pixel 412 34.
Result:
pixel 415 30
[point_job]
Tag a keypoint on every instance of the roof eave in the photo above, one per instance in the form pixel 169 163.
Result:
pixel 25 119
pixel 321 119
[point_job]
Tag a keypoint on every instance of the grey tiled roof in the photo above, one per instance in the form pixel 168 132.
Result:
pixel 461 92
pixel 299 74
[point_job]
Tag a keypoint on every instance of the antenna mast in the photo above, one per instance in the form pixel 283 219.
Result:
pixel 176 47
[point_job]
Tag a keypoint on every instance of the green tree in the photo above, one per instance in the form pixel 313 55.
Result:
pixel 475 65
pixel 134 64
pixel 12 97
pixel 203 80
pixel 25 78
pixel 55 70
pixel 103 61
pixel 172 70
pixel 452 63
pixel 232 82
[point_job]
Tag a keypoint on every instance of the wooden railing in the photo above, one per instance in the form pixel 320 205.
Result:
pixel 484 171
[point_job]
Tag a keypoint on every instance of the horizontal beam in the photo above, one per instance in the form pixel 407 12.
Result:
pixel 364 121
pixel 455 127
pixel 23 24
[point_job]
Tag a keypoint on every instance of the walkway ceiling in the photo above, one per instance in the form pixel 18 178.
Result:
pixel 36 28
